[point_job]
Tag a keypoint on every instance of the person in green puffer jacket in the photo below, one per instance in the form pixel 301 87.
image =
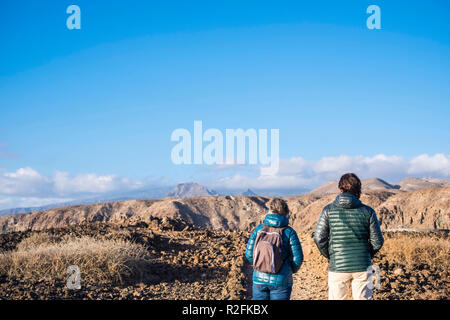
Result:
pixel 276 286
pixel 348 234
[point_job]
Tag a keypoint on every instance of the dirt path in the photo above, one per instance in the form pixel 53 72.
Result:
pixel 310 282
pixel 307 286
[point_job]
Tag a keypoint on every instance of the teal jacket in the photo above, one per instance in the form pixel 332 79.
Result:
pixel 292 250
pixel 348 234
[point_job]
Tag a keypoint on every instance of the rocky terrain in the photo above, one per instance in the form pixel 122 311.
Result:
pixel 196 263
pixel 187 263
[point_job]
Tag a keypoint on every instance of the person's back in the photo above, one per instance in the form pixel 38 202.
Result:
pixel 349 235
pixel 277 284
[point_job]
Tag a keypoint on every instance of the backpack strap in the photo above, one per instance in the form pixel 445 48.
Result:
pixel 278 230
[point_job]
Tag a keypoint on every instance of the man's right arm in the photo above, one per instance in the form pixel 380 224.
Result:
pixel 321 235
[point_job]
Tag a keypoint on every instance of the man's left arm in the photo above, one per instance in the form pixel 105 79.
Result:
pixel 376 239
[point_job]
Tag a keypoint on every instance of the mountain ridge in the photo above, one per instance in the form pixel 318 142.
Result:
pixel 181 190
pixel 423 209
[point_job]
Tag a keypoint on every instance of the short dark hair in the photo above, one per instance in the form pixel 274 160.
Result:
pixel 279 206
pixel 349 182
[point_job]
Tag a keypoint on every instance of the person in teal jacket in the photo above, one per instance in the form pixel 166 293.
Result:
pixel 268 286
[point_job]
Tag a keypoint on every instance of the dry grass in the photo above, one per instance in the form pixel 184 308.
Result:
pixel 42 256
pixel 415 251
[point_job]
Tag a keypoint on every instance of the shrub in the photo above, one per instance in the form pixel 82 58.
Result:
pixel 415 251
pixel 42 256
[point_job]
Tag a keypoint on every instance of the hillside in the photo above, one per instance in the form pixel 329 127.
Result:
pixel 423 209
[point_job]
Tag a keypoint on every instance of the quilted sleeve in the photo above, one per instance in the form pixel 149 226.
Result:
pixel 251 243
pixel 376 239
pixel 321 235
pixel 297 252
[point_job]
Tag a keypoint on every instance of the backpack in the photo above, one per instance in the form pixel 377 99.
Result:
pixel 268 249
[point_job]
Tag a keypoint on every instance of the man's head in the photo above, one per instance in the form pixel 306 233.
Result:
pixel 349 182
pixel 279 206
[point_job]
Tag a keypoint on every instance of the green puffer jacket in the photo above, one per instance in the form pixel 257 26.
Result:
pixel 348 234
pixel 292 253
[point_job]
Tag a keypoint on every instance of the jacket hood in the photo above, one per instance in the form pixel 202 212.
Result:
pixel 347 200
pixel 275 220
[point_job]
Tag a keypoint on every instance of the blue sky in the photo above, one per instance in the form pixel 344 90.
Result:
pixel 92 110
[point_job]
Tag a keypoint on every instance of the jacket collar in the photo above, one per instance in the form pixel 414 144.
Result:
pixel 275 220
pixel 347 200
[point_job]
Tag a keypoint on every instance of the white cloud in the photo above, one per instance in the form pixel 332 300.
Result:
pixel 299 173
pixel 63 183
pixel 439 164
pixel 27 182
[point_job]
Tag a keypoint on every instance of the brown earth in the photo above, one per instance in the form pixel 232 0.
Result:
pixel 196 263
pixel 422 209
pixel 403 277
pixel 187 263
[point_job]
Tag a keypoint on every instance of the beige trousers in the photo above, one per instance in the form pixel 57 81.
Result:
pixel 338 285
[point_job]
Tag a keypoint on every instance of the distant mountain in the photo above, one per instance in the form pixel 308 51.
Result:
pixel 327 188
pixel 248 193
pixel 272 192
pixel 377 184
pixel 331 187
pixel 411 184
pixel 191 189
pixel 46 207
pixel 33 209
pixel 140 194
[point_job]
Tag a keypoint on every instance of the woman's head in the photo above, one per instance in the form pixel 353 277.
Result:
pixel 279 206
pixel 349 182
